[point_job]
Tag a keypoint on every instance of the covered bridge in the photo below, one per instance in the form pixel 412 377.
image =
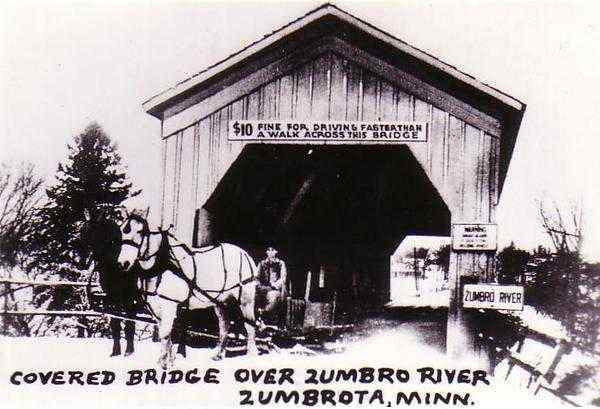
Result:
pixel 347 205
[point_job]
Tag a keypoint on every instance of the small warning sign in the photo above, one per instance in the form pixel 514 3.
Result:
pixel 475 236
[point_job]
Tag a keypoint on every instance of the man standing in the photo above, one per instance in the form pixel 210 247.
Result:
pixel 271 289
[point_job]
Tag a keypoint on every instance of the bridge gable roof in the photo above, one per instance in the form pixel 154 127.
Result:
pixel 329 20
pixel 330 29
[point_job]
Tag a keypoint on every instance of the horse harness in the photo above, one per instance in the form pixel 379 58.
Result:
pixel 167 261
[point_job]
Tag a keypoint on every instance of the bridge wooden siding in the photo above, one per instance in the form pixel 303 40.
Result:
pixel 461 159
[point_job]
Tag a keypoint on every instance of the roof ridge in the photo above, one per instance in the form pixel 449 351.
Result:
pixel 250 45
pixel 437 62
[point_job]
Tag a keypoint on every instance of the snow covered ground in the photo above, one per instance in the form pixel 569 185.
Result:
pixel 433 292
pixel 399 348
pixel 541 323
pixel 429 291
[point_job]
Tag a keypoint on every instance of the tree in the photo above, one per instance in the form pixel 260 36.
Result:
pixel 92 183
pixel 421 252
pixel 565 231
pixel 92 180
pixel 565 287
pixel 512 264
pixel 20 193
pixel 541 252
pixel 442 258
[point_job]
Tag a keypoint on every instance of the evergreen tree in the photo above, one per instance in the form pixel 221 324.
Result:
pixel 512 265
pixel 442 258
pixel 92 180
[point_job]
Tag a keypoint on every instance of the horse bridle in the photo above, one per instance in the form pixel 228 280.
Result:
pixel 145 234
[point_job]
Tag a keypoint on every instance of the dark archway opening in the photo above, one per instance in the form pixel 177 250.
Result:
pixel 340 209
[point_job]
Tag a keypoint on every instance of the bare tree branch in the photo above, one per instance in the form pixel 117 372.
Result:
pixel 565 238
pixel 20 193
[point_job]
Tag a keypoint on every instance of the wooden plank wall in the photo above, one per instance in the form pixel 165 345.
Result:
pixel 461 160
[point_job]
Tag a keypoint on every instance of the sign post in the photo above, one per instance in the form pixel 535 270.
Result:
pixel 466 238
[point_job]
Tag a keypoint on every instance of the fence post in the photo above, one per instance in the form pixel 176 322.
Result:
pixel 4 318
pixel 307 288
pixel 562 348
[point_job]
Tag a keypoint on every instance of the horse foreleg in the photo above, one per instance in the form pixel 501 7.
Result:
pixel 129 335
pixel 181 325
pixel 168 311
pixel 247 308
pixel 250 325
pixel 166 356
pixel 223 331
pixel 115 331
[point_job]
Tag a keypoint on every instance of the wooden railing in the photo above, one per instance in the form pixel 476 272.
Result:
pixel 22 284
pixel 540 379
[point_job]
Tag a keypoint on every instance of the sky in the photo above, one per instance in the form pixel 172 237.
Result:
pixel 65 64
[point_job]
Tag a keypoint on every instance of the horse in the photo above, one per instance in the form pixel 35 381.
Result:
pixel 102 237
pixel 222 276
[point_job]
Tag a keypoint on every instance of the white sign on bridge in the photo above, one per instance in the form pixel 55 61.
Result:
pixel 491 296
pixel 475 236
pixel 328 132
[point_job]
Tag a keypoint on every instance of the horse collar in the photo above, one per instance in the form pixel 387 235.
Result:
pixel 163 260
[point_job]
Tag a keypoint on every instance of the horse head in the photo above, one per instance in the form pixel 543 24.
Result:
pixel 134 240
